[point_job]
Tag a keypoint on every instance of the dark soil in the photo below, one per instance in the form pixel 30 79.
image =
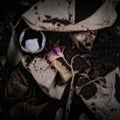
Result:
pixel 103 58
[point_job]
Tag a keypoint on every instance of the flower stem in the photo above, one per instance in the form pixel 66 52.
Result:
pixel 69 100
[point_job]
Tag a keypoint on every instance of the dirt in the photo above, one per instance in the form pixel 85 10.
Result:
pixel 102 59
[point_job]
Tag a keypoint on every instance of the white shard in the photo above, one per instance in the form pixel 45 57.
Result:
pixel 44 75
pixel 32 44
pixel 105 102
pixel 42 16
pixel 85 38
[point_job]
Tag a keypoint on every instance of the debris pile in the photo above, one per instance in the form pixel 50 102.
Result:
pixel 54 67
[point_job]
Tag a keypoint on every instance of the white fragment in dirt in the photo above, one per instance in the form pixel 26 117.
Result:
pixel 63 71
pixel 42 72
pixel 85 38
pixel 45 77
pixel 51 9
pixel 32 44
pixel 105 101
pixel 103 17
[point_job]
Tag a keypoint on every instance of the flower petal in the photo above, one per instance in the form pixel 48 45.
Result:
pixel 52 56
pixel 59 51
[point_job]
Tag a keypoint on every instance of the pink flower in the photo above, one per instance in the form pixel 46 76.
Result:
pixel 57 53
pixel 52 56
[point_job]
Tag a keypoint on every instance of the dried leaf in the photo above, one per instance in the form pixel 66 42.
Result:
pixel 14 54
pixel 59 114
pixel 23 110
pixel 17 85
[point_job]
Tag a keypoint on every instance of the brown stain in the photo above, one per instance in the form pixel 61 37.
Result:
pixel 70 17
pixel 39 18
pixel 113 110
pixel 69 2
pixel 105 22
pixel 36 13
pixel 87 29
pixel 48 16
pixel 28 61
pixel 43 27
pixel 35 7
pixel 57 20
pixel 93 107
pixel 58 24
pixel 89 91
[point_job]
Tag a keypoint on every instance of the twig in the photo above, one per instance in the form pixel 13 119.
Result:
pixel 79 88
pixel 14 26
pixel 69 100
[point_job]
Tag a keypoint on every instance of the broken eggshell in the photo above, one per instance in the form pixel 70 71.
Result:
pixel 105 101
pixel 41 71
pixel 85 38
pixel 44 16
pixel 32 41
pixel 44 75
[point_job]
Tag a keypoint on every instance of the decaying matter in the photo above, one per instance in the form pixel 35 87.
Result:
pixel 57 16
pixel 53 69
